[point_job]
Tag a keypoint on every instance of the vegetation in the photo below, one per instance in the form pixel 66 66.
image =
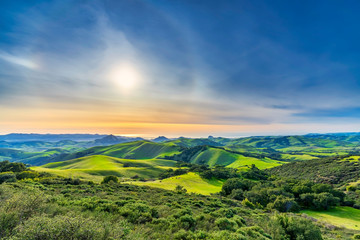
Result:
pixel 57 208
pixel 210 188
pixel 339 216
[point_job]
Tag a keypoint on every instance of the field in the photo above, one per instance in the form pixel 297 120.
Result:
pixel 339 216
pixel 192 182
pixel 96 166
pixel 243 161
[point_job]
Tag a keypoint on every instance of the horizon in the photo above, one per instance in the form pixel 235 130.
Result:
pixel 179 68
pixel 175 137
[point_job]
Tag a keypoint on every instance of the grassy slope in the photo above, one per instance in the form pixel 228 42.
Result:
pixel 192 142
pixel 191 181
pixel 340 216
pixel 96 166
pixel 131 150
pixel 243 161
pixel 215 156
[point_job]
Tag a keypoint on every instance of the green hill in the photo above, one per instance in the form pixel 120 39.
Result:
pixel 130 150
pixel 193 142
pixel 96 166
pixel 288 141
pixel 213 156
pixel 339 216
pixel 32 158
pixel 338 170
pixel 192 182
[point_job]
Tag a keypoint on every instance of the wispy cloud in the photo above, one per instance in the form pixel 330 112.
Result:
pixel 155 62
pixel 20 61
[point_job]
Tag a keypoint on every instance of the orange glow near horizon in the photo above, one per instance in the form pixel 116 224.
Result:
pixel 73 121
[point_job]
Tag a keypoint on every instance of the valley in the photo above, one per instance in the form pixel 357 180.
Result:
pixel 316 175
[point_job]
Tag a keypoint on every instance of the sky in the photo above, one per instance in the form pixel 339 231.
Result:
pixel 179 67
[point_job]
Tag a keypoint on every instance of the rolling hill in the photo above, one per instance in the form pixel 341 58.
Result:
pixel 192 182
pixel 213 156
pixel 96 166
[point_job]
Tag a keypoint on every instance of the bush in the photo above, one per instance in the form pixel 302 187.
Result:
pixel 225 224
pixel 7 177
pixel 294 228
pixel 67 227
pixel 284 204
pixel 110 178
pixel 356 236
pixel 233 184
pixel 27 174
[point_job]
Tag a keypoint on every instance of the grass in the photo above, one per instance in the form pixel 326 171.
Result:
pixel 192 182
pixel 243 161
pixel 216 156
pixel 339 216
pixel 96 166
pixel 140 150
pixel 351 159
pixel 297 157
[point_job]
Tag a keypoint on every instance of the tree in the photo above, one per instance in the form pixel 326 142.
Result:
pixel 235 183
pixel 180 189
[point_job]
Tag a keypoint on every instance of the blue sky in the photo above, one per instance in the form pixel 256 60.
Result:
pixel 193 68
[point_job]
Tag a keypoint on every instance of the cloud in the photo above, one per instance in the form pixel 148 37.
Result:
pixel 187 66
pixel 20 61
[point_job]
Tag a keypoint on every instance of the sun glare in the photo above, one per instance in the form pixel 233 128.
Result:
pixel 125 76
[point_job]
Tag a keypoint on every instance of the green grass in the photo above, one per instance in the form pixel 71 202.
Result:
pixel 298 157
pixel 351 159
pixel 340 216
pixel 217 156
pixel 139 150
pixel 243 161
pixel 96 166
pixel 191 181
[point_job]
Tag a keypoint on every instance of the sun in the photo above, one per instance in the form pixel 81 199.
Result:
pixel 126 76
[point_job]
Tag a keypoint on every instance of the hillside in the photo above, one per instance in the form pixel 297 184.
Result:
pixel 130 150
pixel 337 170
pixel 192 182
pixel 289 141
pixel 96 166
pixel 213 156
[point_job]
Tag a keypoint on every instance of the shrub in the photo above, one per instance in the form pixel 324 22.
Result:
pixel 247 203
pixel 356 236
pixel 296 228
pixel 234 183
pixel 284 204
pixel 180 189
pixel 225 224
pixel 351 188
pixel 110 178
pixel 67 227
pixel 187 222
pixel 7 177
pixel 27 174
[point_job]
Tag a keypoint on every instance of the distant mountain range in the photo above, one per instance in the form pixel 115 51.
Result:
pixel 265 151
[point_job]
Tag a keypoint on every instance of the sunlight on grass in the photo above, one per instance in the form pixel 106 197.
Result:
pixel 340 216
pixel 191 181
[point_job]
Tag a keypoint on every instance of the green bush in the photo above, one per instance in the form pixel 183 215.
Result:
pixel 295 228
pixel 7 177
pixel 225 224
pixel 68 227
pixel 356 236
pixel 27 174
pixel 284 204
pixel 110 178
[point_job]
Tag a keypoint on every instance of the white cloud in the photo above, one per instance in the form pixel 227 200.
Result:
pixel 21 61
